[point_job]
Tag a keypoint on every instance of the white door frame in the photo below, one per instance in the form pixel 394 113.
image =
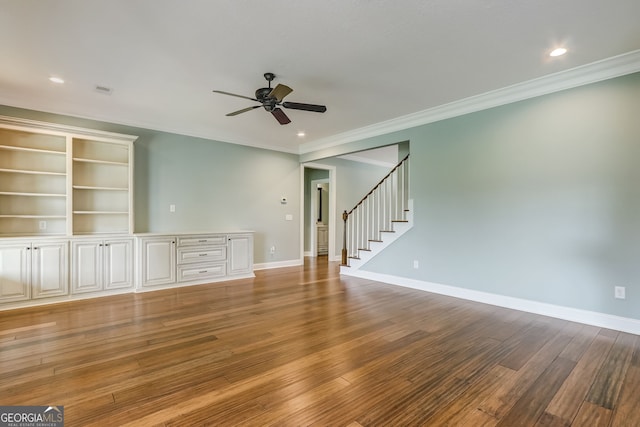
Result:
pixel 332 208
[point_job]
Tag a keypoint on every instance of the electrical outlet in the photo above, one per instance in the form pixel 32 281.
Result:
pixel 620 292
pixel 272 250
pixel 172 208
pixel 42 225
pixel 416 264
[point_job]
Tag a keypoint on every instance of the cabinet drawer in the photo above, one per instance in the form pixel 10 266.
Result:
pixel 210 271
pixel 212 239
pixel 192 255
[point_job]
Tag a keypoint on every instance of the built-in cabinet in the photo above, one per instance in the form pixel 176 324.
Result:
pixel 178 260
pixel 66 222
pixel 33 270
pixel 322 239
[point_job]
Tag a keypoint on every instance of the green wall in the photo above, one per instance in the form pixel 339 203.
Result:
pixel 538 200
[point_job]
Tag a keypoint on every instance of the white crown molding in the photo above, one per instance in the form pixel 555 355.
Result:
pixel 605 69
pixel 19 123
pixel 571 314
pixel 278 264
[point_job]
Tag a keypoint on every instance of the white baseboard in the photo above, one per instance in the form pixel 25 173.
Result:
pixel 278 264
pixel 593 318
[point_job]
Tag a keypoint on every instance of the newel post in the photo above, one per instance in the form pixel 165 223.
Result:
pixel 345 215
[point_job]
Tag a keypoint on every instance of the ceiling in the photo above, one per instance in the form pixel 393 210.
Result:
pixel 369 61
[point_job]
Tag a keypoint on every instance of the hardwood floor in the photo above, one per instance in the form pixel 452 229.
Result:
pixel 302 346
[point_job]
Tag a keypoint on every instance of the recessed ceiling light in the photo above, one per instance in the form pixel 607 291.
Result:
pixel 558 51
pixel 55 79
pixel 301 134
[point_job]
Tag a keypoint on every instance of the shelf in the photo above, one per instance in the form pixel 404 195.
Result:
pixel 31 150
pixel 30 225
pixel 32 172
pixel 103 162
pixel 87 187
pixel 35 216
pixel 14 193
pixel 100 213
pixel 101 233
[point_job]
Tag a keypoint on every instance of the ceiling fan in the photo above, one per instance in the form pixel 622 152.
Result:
pixel 271 100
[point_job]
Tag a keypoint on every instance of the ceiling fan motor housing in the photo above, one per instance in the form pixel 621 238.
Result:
pixel 263 93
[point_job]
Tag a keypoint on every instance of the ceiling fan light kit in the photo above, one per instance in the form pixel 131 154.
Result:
pixel 271 100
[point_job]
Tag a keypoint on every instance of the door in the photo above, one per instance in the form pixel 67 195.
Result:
pixel 240 254
pixel 87 266
pixel 118 271
pixel 158 261
pixel 15 271
pixel 49 269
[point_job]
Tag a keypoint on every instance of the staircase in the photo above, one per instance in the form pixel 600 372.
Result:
pixel 376 221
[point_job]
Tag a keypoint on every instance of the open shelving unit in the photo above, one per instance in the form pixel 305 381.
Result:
pixel 33 180
pixel 57 180
pixel 101 187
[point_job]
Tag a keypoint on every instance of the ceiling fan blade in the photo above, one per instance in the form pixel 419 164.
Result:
pixel 280 91
pixel 305 107
pixel 233 94
pixel 280 116
pixel 244 110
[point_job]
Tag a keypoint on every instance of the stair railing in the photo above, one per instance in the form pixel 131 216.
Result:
pixel 376 212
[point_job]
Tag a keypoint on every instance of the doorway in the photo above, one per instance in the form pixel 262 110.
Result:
pixel 319 191
pixel 318 211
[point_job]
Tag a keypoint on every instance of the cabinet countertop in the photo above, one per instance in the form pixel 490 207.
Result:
pixel 9 239
pixel 191 233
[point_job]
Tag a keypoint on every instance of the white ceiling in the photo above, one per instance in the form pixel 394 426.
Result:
pixel 369 61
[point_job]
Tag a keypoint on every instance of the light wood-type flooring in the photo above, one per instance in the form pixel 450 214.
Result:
pixel 302 346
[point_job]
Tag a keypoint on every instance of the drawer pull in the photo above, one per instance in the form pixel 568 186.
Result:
pixel 203 271
pixel 203 254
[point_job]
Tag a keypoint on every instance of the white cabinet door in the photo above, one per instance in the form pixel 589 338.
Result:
pixel 102 264
pixel 118 270
pixel 158 261
pixel 49 269
pixel 15 272
pixel 240 253
pixel 322 240
pixel 87 266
